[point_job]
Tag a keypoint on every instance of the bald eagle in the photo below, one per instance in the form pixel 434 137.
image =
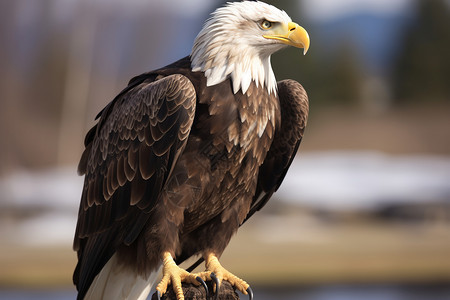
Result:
pixel 185 154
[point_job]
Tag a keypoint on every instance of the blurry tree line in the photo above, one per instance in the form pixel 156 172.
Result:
pixel 419 72
pixel 317 71
pixel 422 70
pixel 34 73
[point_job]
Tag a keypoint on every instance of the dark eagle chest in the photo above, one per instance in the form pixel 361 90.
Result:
pixel 235 128
pixel 231 136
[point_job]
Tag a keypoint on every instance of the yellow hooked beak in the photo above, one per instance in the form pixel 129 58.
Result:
pixel 292 35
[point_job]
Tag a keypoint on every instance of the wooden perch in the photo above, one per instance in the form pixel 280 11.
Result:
pixel 192 292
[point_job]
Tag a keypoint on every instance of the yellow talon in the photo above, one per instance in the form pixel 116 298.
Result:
pixel 172 274
pixel 213 266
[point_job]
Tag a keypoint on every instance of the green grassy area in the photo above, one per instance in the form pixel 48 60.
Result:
pixel 280 250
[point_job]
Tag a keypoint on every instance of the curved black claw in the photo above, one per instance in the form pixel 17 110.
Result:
pixel 216 281
pixel 158 295
pixel 204 285
pixel 250 293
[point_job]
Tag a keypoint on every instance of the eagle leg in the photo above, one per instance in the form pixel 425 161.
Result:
pixel 218 273
pixel 175 275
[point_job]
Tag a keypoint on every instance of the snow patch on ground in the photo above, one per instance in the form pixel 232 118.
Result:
pixel 365 180
pixel 325 180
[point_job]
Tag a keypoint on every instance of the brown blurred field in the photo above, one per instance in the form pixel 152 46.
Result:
pixel 351 252
pixel 284 249
pixel 419 128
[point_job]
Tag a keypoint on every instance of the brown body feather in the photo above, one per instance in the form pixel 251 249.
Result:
pixel 174 165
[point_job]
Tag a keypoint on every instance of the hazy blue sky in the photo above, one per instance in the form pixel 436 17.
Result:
pixel 324 9
pixel 316 8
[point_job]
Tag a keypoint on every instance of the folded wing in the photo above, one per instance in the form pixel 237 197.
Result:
pixel 128 160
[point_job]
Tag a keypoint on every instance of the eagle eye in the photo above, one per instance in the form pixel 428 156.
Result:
pixel 266 24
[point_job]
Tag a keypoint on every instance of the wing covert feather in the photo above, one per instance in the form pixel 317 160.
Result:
pixel 294 108
pixel 136 143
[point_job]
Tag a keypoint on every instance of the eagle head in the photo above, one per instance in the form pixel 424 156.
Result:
pixel 237 41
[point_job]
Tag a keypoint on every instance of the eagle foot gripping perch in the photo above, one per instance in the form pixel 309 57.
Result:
pixel 175 275
pixel 192 292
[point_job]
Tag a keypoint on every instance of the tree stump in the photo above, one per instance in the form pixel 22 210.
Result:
pixel 193 292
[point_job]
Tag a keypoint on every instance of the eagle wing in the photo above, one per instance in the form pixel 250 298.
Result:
pixel 128 159
pixel 294 108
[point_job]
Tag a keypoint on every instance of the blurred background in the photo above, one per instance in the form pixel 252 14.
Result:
pixel 364 212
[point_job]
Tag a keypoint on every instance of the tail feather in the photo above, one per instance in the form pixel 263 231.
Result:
pixel 117 282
